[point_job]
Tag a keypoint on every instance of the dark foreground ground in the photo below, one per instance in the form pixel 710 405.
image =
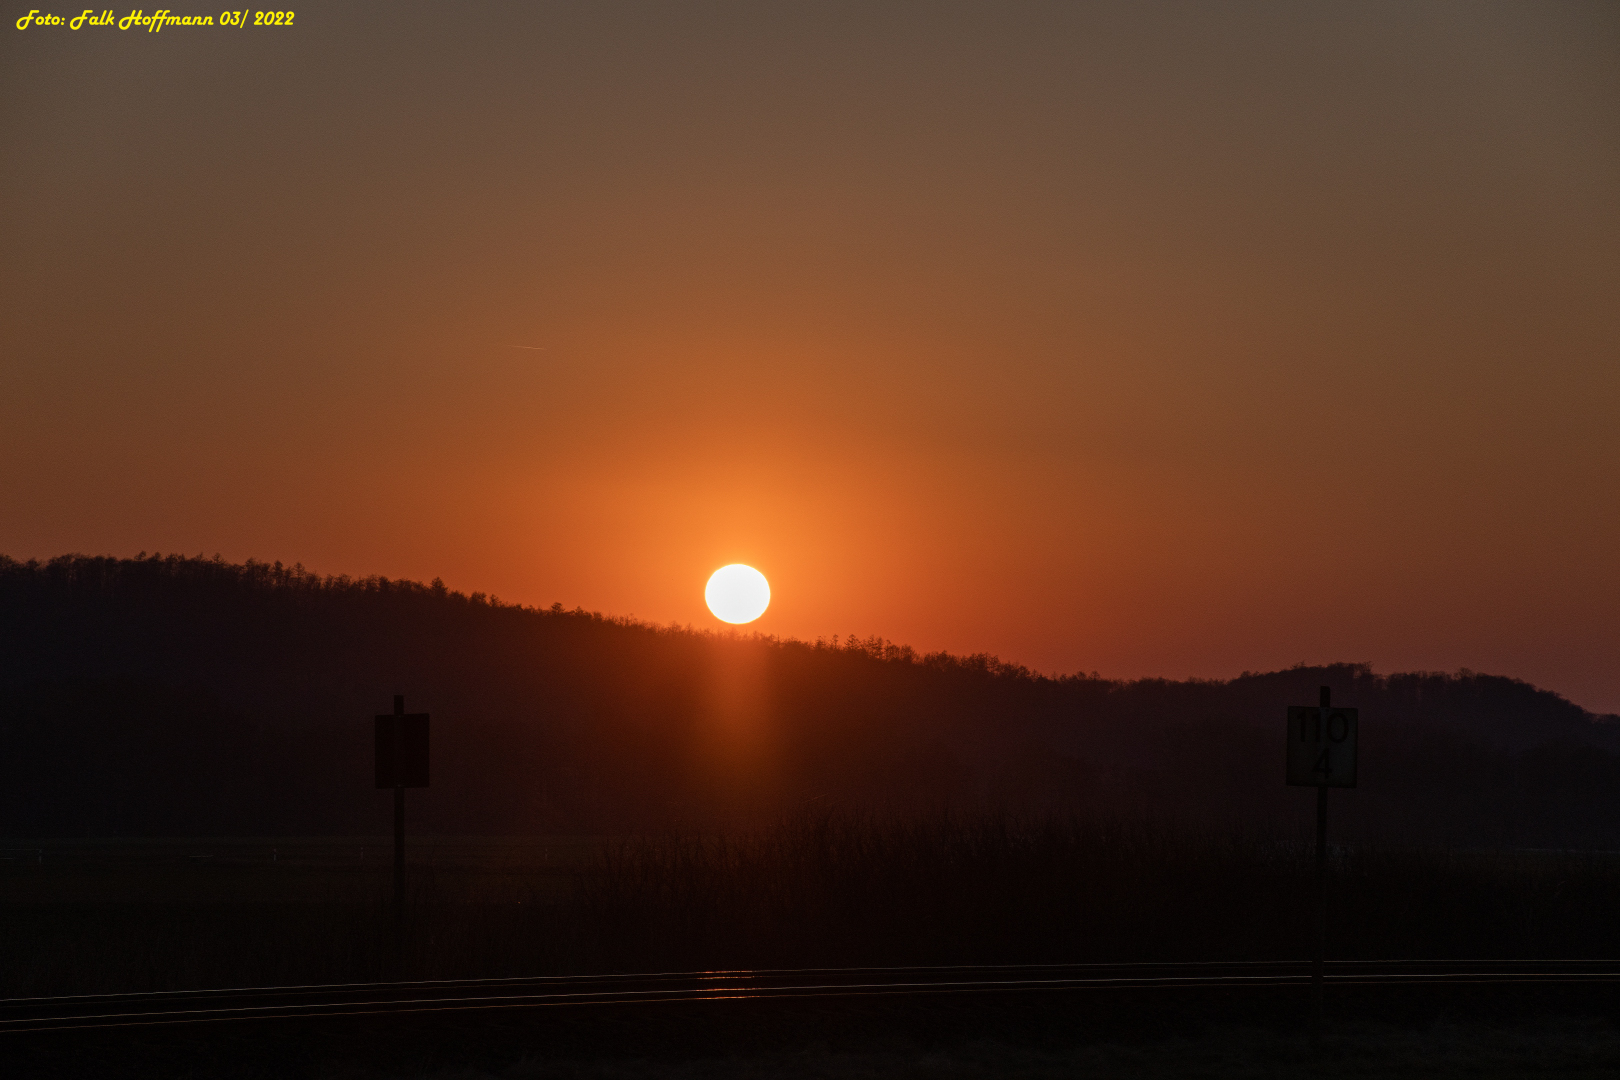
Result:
pixel 139 917
pixel 1505 1032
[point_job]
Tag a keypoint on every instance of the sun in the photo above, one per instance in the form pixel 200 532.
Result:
pixel 737 593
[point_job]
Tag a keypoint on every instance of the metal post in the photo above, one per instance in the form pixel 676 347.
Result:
pixel 1318 968
pixel 399 803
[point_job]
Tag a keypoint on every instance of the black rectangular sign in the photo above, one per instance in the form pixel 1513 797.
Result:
pixel 1321 746
pixel 406 735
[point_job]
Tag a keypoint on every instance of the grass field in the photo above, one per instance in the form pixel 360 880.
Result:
pixel 1053 1036
pixel 1553 1048
pixel 832 890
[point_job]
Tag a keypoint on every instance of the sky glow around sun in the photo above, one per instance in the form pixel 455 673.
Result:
pixel 984 346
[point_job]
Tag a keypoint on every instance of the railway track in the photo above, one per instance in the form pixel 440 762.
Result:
pixel 358 999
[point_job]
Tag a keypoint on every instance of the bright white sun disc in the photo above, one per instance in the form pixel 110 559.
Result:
pixel 737 593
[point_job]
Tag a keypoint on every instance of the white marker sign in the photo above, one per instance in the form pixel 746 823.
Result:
pixel 1321 746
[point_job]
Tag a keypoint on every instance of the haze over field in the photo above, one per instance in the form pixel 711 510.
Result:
pixel 1152 340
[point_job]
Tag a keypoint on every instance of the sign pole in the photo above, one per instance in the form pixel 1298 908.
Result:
pixel 1319 968
pixel 1321 754
pixel 399 805
pixel 401 762
pixel 398 751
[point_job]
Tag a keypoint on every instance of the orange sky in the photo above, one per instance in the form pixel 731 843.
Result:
pixel 1146 339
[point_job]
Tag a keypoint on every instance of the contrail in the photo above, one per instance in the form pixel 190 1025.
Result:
pixel 531 348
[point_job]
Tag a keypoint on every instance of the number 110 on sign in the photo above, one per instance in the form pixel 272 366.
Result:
pixel 1321 746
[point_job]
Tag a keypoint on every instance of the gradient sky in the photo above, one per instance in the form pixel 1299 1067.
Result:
pixel 1146 339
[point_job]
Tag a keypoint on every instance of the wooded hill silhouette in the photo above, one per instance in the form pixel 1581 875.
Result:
pixel 191 696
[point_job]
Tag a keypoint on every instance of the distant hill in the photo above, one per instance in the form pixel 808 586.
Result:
pixel 173 696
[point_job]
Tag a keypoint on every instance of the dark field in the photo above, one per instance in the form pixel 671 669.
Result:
pixel 829 891
pixel 823 891
pixel 1077 1036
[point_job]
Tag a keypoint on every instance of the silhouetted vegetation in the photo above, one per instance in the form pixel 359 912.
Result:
pixel 814 890
pixel 188 696
pixel 837 890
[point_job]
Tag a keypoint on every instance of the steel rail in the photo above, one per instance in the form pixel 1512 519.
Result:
pixel 356 999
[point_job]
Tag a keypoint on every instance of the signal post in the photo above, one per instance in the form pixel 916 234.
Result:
pixel 401 762
pixel 1321 754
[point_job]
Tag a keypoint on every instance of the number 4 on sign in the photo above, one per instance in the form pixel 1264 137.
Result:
pixel 1321 746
